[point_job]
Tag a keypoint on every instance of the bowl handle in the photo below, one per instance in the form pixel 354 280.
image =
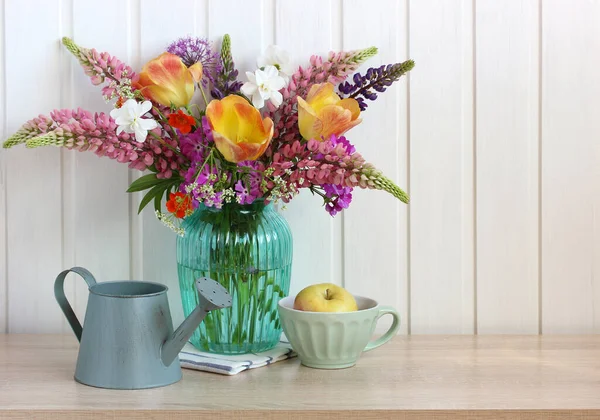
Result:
pixel 384 310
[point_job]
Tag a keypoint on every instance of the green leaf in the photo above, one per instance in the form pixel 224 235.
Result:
pixel 158 198
pixel 143 183
pixel 154 192
pixel 157 201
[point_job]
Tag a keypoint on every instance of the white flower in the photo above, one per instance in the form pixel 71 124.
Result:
pixel 129 119
pixel 264 85
pixel 278 57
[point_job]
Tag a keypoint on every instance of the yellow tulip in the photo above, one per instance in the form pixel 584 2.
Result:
pixel 167 81
pixel 238 129
pixel 323 113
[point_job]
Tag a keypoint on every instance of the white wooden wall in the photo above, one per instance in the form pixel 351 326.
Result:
pixel 495 134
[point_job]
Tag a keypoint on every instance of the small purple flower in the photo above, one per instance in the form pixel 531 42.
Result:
pixel 204 176
pixel 193 145
pixel 339 198
pixel 194 50
pixel 242 193
pixel 189 177
pixel 208 134
pixel 215 201
pixel 254 181
pixel 192 175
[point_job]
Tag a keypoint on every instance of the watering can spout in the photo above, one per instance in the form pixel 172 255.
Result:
pixel 211 295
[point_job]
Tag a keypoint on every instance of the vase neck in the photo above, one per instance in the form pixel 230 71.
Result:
pixel 257 206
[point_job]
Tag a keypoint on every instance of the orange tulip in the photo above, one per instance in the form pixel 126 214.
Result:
pixel 323 113
pixel 238 130
pixel 167 81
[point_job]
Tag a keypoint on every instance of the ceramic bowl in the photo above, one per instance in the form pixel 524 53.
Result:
pixel 334 340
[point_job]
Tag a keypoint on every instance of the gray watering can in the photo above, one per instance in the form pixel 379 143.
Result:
pixel 127 339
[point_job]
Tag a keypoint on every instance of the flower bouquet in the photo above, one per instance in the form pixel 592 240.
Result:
pixel 217 164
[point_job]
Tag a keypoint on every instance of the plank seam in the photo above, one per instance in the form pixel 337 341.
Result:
pixel 274 22
pixel 136 232
pixel 540 243
pixel 67 162
pixel 206 19
pixel 342 242
pixel 408 168
pixel 194 18
pixel 474 39
pixel 4 173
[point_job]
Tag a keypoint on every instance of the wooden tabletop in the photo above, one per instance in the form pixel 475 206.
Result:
pixel 416 377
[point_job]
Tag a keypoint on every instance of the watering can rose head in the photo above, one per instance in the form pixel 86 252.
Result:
pixel 324 114
pixel 238 129
pixel 167 81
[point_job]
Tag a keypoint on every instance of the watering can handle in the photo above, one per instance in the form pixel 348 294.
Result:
pixel 61 298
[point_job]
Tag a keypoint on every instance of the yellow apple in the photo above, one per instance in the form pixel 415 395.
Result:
pixel 325 297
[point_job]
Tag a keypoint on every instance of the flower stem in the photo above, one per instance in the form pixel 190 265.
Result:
pixel 203 94
pixel 189 109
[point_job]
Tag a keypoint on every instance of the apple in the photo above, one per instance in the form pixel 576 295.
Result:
pixel 325 297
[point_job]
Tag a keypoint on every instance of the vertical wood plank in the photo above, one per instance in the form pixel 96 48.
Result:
pixel 570 167
pixel 101 209
pixel 246 37
pixel 3 216
pixel 375 225
pixel 507 70
pixel 441 167
pixel 317 238
pixel 181 18
pixel 33 177
pixel 67 159
pixel 136 221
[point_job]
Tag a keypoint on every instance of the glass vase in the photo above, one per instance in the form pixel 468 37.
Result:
pixel 247 249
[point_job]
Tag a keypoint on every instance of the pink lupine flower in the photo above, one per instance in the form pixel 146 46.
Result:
pixel 327 164
pixel 101 67
pixel 83 131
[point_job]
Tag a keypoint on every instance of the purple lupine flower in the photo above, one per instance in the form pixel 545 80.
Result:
pixel 374 80
pixel 226 79
pixel 194 50
pixel 338 198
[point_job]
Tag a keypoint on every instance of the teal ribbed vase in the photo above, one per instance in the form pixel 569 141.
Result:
pixel 248 250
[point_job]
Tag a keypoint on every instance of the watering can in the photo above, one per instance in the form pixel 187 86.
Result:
pixel 127 340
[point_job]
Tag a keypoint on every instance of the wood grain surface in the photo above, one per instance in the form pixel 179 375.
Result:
pixel 415 377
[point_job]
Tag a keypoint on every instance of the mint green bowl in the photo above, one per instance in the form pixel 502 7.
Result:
pixel 334 340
